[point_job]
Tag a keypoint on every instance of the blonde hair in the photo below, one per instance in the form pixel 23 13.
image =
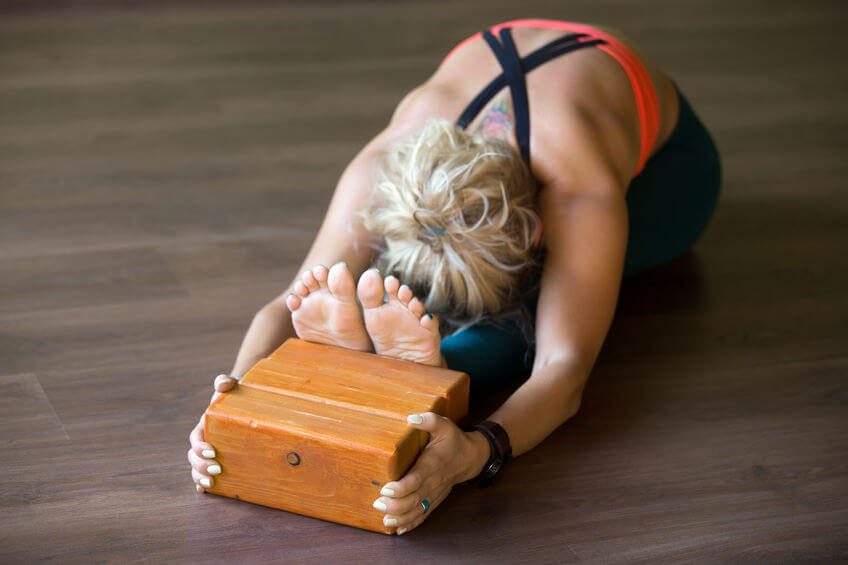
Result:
pixel 457 213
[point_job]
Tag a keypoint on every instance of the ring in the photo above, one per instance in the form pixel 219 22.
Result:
pixel 425 504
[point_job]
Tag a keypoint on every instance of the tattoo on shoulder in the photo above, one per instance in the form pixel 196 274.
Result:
pixel 497 122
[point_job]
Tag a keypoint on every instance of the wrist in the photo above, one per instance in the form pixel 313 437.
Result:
pixel 481 451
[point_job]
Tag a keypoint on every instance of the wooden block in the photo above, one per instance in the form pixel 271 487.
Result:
pixel 317 430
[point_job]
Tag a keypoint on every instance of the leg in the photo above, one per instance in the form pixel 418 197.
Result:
pixel 494 352
pixel 672 200
pixel 491 353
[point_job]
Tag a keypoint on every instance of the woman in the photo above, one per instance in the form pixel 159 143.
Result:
pixel 616 176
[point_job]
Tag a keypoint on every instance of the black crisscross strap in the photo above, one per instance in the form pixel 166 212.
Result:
pixel 514 70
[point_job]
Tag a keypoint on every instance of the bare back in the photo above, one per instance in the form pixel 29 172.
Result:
pixel 588 81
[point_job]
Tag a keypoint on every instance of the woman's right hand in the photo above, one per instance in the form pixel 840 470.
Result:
pixel 201 455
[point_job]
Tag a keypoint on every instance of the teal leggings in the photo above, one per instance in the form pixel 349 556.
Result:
pixel 669 204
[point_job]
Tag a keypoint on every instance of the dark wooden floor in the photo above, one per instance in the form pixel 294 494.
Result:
pixel 162 173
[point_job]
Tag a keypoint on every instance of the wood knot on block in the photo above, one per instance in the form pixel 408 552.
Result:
pixel 293 458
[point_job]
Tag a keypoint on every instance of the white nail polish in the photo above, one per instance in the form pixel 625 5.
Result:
pixel 213 469
pixel 206 482
pixel 390 522
pixel 209 453
pixel 401 531
pixel 415 419
pixel 380 505
pixel 386 491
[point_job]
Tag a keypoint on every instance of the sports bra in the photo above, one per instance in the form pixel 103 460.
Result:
pixel 516 67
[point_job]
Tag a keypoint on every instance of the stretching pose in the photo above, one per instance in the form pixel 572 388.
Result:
pixel 503 246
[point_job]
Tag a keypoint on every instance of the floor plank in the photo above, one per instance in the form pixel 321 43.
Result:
pixel 164 167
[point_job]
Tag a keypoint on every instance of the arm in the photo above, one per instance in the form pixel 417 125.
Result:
pixel 342 237
pixel 586 236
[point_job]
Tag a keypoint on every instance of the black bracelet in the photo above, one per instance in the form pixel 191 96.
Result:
pixel 501 451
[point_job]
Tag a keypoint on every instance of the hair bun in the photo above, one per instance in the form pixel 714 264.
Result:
pixel 470 201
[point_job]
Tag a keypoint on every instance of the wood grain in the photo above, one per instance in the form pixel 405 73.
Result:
pixel 164 167
pixel 298 436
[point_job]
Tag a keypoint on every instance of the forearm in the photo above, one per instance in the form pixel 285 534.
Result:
pixel 270 327
pixel 544 402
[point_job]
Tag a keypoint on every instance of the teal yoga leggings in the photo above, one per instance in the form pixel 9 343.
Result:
pixel 669 204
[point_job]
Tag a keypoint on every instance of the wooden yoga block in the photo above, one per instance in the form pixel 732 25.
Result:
pixel 318 430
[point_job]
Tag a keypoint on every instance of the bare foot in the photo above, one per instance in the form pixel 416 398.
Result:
pixel 324 308
pixel 400 327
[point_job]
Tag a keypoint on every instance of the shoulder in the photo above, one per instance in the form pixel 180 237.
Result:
pixel 577 147
pixel 426 101
pixel 429 100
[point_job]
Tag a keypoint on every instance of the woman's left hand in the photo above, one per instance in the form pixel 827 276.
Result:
pixel 450 457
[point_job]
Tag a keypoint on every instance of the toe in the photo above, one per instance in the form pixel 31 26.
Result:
pixel 370 289
pixel 293 302
pixel 309 281
pixel 405 295
pixel 301 289
pixel 320 273
pixel 430 322
pixel 340 283
pixel 391 285
pixel 416 307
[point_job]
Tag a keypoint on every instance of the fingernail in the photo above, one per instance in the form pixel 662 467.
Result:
pixel 415 419
pixel 198 487
pixel 401 531
pixel 390 522
pixel 380 505
pixel 206 482
pixel 213 469
pixel 209 453
pixel 429 315
pixel 386 491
